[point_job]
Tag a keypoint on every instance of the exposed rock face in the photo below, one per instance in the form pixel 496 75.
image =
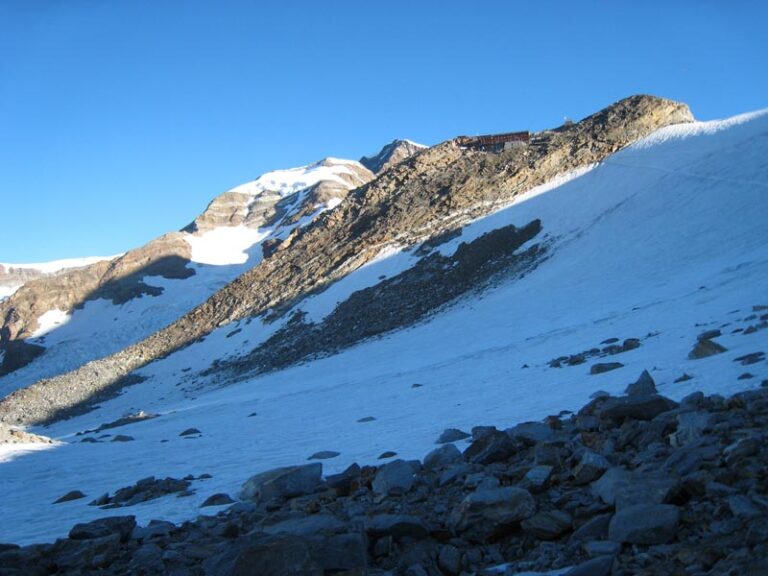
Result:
pixel 436 190
pixel 11 277
pixel 392 154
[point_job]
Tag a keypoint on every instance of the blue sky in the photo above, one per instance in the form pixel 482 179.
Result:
pixel 121 120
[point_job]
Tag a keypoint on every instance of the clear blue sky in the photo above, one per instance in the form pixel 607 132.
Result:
pixel 121 120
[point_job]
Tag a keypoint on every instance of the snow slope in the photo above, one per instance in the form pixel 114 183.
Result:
pixel 660 242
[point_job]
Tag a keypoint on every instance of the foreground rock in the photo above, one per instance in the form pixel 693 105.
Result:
pixel 683 492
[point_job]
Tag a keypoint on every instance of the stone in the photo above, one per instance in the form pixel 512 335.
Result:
pixel 452 435
pixel 599 566
pixel 743 448
pixel 608 486
pixel 531 433
pixel 69 496
pixel 121 525
pixel 643 386
pixel 590 467
pixel 306 525
pixel 219 499
pixel 705 348
pixel 387 454
pixel 123 438
pixel 691 426
pixel 282 483
pixel 595 528
pixel 324 455
pixel 684 378
pixel 642 488
pixel 537 478
pixel 449 560
pixel 636 407
pixel 486 513
pixel 549 525
pixel 602 367
pixel 744 508
pixel 494 447
pixel 596 548
pixel 395 477
pixel 342 554
pixel 645 524
pixel 155 529
pixel 442 457
pixel 345 482
pixel 751 358
pixel 283 555
pixel 481 431
pixel 190 432
pixel 397 526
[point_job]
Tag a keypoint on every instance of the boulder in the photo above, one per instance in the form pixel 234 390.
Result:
pixel 120 525
pixel 602 367
pixel 595 528
pixel 537 478
pixel 599 566
pixel 219 499
pixel 345 482
pixel 324 455
pixel 488 512
pixel 549 525
pixel 643 386
pixel 452 435
pixel 493 447
pixel 281 483
pixel 396 477
pixel 531 433
pixel 590 467
pixel 69 496
pixel 442 457
pixel 645 524
pixel 397 526
pixel 639 407
pixel 705 348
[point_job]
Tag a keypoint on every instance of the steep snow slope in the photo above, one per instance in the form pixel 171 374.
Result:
pixel 219 253
pixel 660 242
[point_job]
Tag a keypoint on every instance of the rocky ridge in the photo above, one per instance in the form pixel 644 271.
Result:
pixel 628 485
pixel 392 154
pixel 436 190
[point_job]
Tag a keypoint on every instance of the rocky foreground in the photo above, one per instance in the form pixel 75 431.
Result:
pixel 629 485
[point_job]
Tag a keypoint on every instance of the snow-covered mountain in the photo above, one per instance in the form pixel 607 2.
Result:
pixel 459 288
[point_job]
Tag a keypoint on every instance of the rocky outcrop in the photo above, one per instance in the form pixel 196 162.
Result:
pixel 12 435
pixel 645 515
pixel 437 190
pixel 392 154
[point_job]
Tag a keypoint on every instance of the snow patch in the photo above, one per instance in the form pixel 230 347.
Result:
pixel 58 265
pixel 286 182
pixel 224 245
pixel 49 321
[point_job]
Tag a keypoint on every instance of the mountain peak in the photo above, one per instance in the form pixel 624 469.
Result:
pixel 391 154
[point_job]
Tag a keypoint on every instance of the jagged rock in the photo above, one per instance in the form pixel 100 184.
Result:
pixel 493 447
pixel 751 358
pixel 643 386
pixel 531 433
pixel 599 566
pixel 645 524
pixel 280 483
pixel 449 560
pixel 442 457
pixel 705 348
pixel 608 486
pixel 481 431
pixel 345 482
pixel 485 513
pixel 397 526
pixel 393 153
pixel 636 407
pixel 155 529
pixel 602 367
pixel 219 499
pixel 190 432
pixel 593 529
pixel 120 525
pixel 709 334
pixel 394 478
pixel 451 435
pixel 146 489
pixel 306 525
pixel 691 426
pixel 537 478
pixel 73 495
pixel 123 438
pixel 548 525
pixel 590 467
pixel 324 455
